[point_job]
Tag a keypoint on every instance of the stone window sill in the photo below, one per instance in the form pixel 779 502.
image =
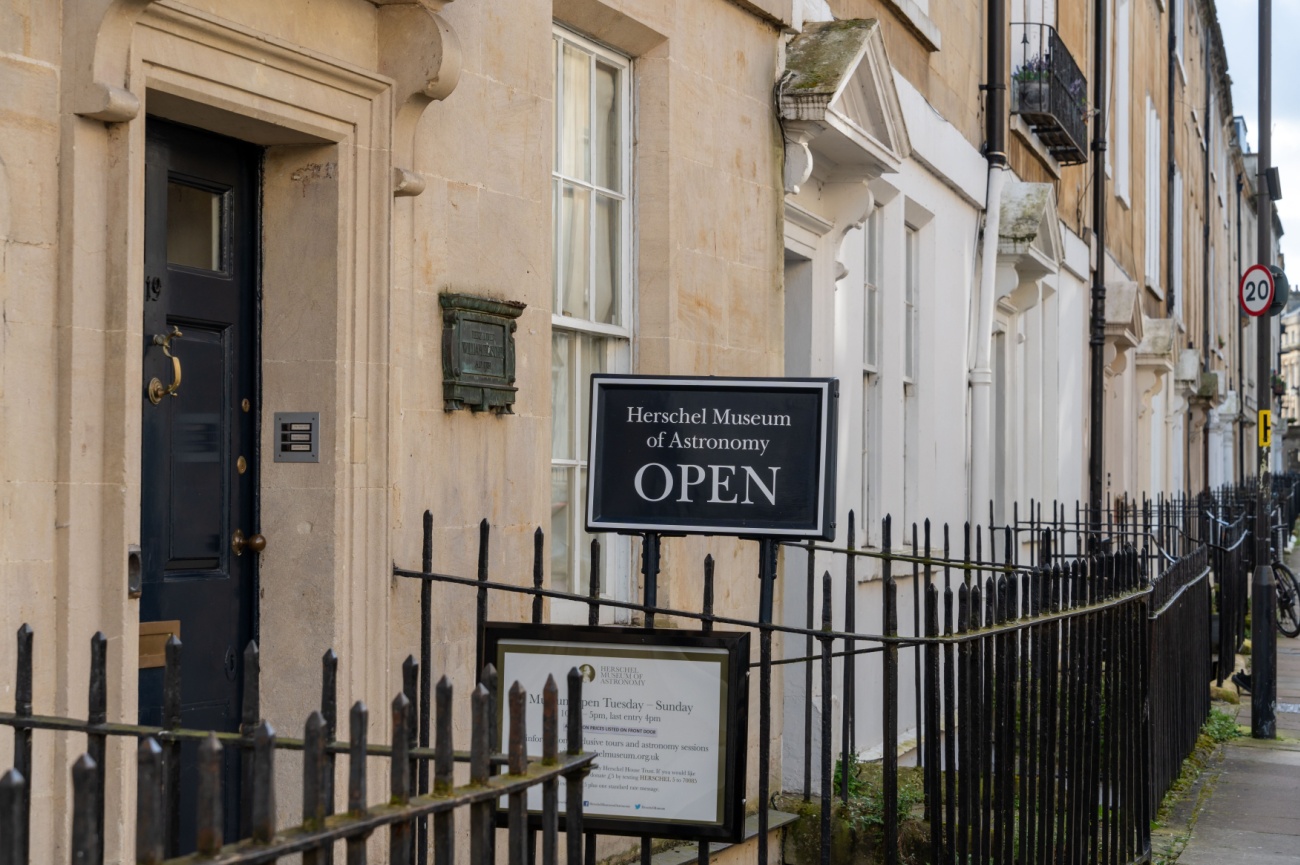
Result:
pixel 918 22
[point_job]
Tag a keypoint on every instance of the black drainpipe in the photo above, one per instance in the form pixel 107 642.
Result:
pixel 1205 261
pixel 995 102
pixel 1171 145
pixel 1097 336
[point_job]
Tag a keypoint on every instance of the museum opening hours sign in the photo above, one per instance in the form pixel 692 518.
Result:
pixel 665 712
pixel 721 456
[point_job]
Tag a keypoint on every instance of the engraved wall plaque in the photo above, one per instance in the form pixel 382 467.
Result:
pixel 478 353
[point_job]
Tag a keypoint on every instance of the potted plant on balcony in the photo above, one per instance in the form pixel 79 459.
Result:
pixel 1032 80
pixel 1077 90
pixel 1279 385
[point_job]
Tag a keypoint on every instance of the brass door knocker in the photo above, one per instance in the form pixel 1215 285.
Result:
pixel 156 388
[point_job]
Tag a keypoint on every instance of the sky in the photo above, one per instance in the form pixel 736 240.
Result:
pixel 1239 20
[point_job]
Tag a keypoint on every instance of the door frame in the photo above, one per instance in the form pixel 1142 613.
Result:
pixel 309 109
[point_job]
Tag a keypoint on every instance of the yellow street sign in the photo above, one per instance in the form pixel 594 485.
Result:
pixel 1265 428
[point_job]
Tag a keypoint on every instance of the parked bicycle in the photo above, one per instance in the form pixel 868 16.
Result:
pixel 1284 582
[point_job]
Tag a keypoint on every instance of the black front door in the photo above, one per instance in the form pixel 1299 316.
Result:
pixel 198 457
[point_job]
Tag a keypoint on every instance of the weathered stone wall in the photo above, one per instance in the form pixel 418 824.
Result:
pixel 351 322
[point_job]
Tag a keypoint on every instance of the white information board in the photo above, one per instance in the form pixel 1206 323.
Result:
pixel 662 719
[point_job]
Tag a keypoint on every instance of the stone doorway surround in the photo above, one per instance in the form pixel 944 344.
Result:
pixel 339 140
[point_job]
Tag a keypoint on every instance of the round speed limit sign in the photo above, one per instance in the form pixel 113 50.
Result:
pixel 1255 293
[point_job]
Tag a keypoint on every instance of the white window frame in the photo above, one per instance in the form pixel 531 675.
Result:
pixel 1122 97
pixel 913 285
pixel 622 328
pixel 1176 278
pixel 1178 20
pixel 1153 176
pixel 873 279
pixel 911 303
pixel 617 336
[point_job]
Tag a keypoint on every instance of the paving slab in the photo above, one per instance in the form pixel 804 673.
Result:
pixel 1249 813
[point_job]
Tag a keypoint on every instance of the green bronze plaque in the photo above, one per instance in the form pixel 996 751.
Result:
pixel 478 352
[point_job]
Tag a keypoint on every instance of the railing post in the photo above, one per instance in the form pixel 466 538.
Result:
pixel 426 679
pixel 444 826
pixel 97 743
pixel 172 749
pixel 827 750
pixel 23 735
pixel 13 819
pixel 484 531
pixel 573 781
pixel 263 792
pixel 550 757
pixel 251 714
pixel 480 817
pixel 150 819
pixel 329 732
pixel 593 590
pixel 314 783
pixel 890 705
pixel 87 842
pixel 358 721
pixel 517 841
pixel 400 835
pixel 211 817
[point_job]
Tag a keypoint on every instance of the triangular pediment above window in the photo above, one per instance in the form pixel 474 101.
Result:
pixel 838 88
pixel 1124 319
pixel 1029 230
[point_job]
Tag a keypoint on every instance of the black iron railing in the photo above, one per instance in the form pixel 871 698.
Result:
pixel 1049 91
pixel 1032 662
pixel 1055 679
pixel 403 809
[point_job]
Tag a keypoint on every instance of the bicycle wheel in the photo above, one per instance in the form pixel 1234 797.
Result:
pixel 1288 600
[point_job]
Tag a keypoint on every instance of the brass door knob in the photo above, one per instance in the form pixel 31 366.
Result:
pixel 239 543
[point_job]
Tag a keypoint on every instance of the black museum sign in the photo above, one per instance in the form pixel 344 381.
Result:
pixel 751 457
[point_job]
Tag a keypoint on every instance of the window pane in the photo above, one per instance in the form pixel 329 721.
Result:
pixel 869 343
pixel 910 346
pixel 571 250
pixel 555 100
pixel 594 349
pixel 608 144
pixel 560 509
pixel 193 227
pixel 584 579
pixel 873 248
pixel 607 260
pixel 575 114
pixel 557 254
pixel 561 398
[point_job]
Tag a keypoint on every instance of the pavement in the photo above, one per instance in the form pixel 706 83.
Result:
pixel 1245 808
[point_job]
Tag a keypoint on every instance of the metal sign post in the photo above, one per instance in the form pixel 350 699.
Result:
pixel 1263 691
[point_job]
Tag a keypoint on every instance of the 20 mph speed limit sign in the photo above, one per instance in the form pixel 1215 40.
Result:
pixel 1255 293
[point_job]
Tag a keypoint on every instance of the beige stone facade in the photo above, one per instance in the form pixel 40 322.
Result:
pixel 408 150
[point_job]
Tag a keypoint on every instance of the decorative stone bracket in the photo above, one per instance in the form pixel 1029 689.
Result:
pixel 421 52
pixel 96 52
pixel 1124 322
pixel 1155 359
